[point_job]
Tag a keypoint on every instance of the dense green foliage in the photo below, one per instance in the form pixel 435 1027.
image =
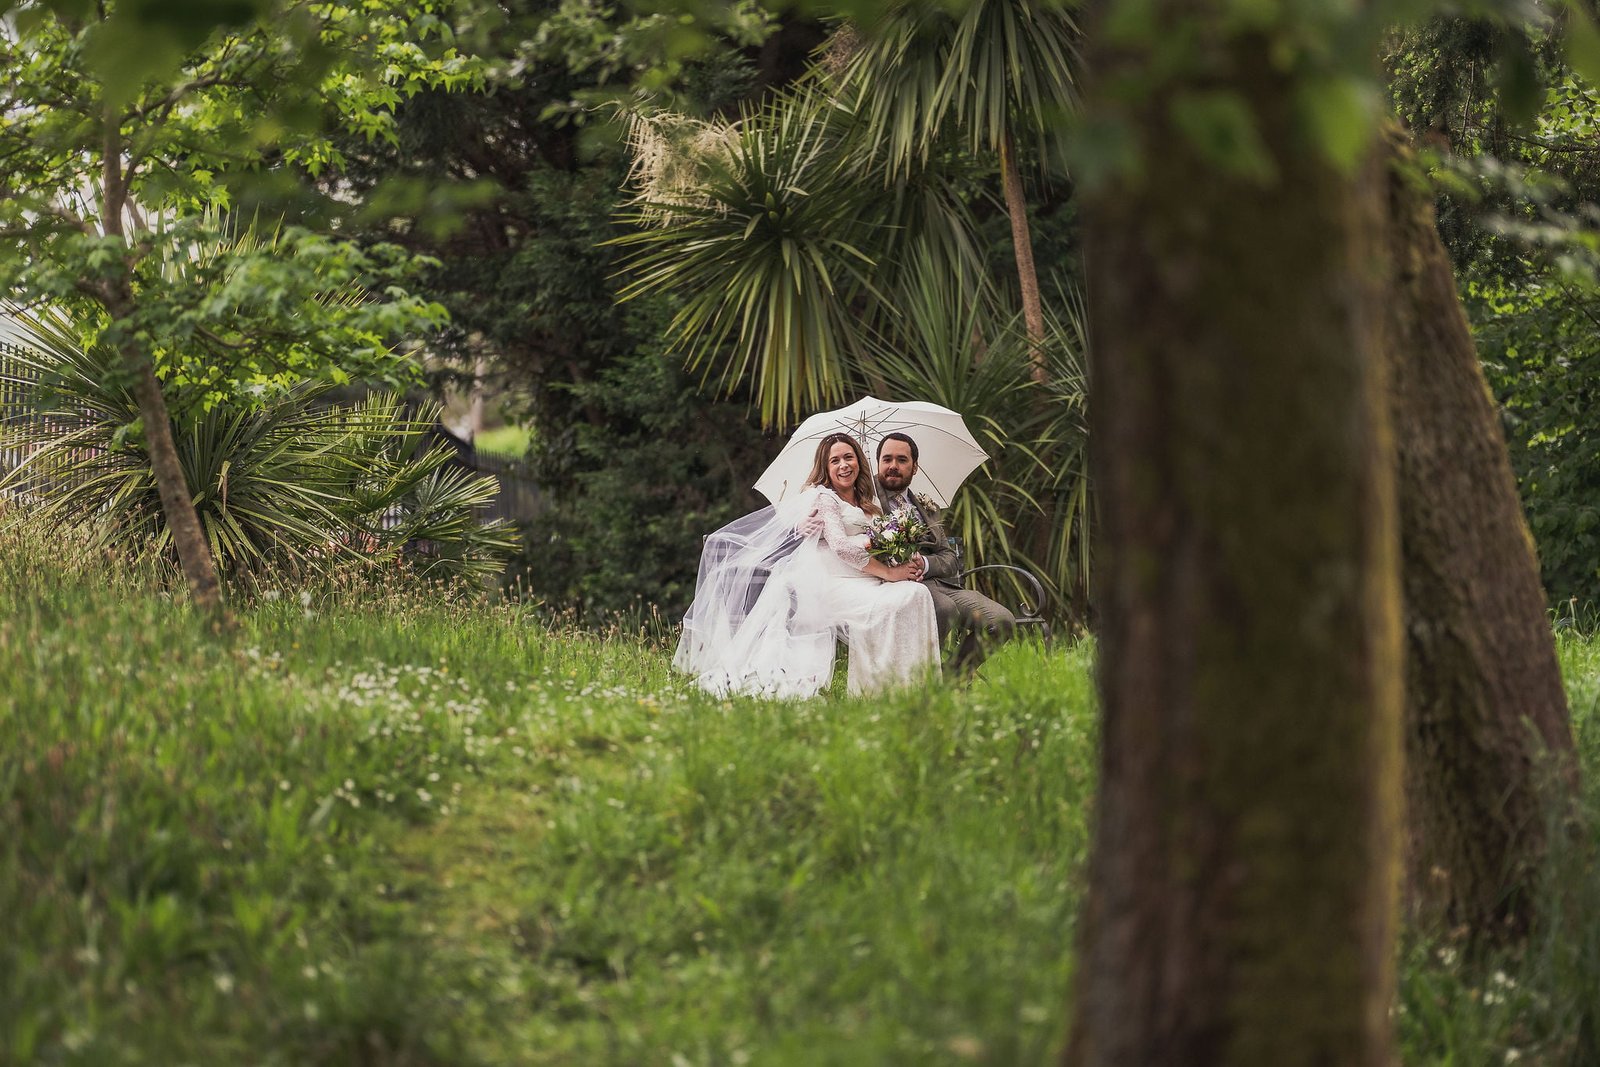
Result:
pixel 640 487
pixel 1510 128
pixel 121 164
pixel 282 481
pixel 1541 353
pixel 824 245
pixel 377 827
pixel 635 464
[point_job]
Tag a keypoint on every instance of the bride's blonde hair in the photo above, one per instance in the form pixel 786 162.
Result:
pixel 866 499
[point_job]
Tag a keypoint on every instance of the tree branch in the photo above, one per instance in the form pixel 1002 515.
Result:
pixel 232 346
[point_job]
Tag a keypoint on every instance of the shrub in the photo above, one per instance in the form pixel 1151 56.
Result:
pixel 281 481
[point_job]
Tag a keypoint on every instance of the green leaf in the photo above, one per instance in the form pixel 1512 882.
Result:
pixel 127 54
pixel 1220 127
pixel 1342 115
pixel 1582 43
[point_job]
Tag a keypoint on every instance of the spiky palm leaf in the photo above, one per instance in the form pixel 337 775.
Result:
pixel 769 257
pixel 781 236
pixel 280 482
pixel 956 346
pixel 988 69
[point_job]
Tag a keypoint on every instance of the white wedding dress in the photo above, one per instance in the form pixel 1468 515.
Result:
pixel 769 606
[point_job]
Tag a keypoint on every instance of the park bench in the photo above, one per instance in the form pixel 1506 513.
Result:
pixel 1027 608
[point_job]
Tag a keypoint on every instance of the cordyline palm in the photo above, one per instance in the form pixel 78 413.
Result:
pixel 280 482
pixel 784 240
pixel 955 345
pixel 996 71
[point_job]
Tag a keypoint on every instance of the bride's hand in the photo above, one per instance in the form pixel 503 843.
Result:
pixel 903 572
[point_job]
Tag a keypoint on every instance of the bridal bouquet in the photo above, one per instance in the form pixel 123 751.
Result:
pixel 895 537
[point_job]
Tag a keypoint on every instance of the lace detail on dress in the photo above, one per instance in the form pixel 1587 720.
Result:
pixel 852 550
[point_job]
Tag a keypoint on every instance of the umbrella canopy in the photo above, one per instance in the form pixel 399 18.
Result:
pixel 947 452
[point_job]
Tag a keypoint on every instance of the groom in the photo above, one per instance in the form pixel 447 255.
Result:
pixel 980 622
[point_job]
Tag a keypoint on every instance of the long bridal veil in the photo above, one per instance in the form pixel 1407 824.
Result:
pixel 759 623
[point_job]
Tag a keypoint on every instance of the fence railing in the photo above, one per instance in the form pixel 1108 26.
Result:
pixel 519 499
pixel 14 385
pixel 20 424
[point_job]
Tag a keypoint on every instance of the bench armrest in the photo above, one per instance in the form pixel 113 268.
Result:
pixel 1030 610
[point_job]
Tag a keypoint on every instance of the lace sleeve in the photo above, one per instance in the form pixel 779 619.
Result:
pixel 852 550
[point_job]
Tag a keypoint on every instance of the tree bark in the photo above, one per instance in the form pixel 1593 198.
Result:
pixel 1490 763
pixel 183 521
pixel 1245 866
pixel 1022 247
pixel 177 504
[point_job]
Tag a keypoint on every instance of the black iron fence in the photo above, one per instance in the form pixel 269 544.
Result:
pixel 519 499
pixel 23 427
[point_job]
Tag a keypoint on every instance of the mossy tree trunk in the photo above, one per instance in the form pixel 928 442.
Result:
pixel 1245 865
pixel 1484 699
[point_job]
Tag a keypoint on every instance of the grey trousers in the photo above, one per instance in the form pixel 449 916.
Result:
pixel 978 623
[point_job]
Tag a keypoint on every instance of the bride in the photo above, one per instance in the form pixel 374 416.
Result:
pixel 770 601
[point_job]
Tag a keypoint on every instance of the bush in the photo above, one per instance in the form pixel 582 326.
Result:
pixel 636 491
pixel 1542 358
pixel 284 481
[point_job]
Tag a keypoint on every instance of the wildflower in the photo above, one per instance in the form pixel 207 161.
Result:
pixel 305 598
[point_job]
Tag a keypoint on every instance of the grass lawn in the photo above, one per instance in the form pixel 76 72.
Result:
pixel 504 440
pixel 383 829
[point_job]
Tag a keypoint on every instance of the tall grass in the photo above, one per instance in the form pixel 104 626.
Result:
pixel 380 826
pixel 1533 1002
pixel 374 826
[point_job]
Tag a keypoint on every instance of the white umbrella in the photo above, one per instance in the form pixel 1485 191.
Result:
pixel 946 451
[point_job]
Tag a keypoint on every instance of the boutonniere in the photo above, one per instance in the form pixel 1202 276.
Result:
pixel 925 503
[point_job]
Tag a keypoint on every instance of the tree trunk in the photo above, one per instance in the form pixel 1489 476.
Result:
pixel 1241 906
pixel 1022 246
pixel 177 505
pixel 1484 697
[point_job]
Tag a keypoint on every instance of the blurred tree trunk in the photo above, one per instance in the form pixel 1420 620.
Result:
pixel 1484 697
pixel 1241 906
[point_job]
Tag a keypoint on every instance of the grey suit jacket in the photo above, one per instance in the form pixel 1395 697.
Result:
pixel 943 563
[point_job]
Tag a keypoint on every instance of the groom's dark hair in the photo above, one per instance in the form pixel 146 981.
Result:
pixel 897 437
